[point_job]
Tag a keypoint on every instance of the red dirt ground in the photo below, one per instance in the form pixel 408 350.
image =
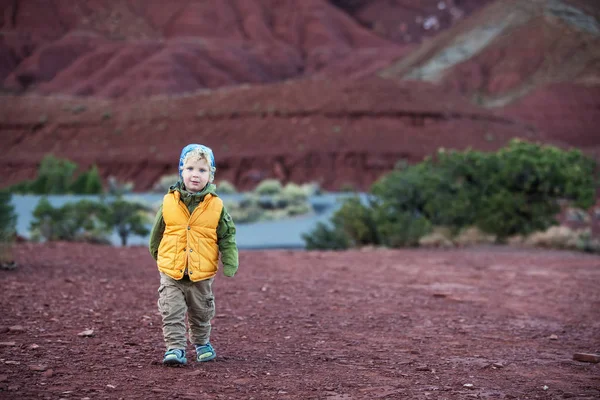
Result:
pixel 371 324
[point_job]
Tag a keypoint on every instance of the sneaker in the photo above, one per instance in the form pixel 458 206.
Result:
pixel 175 357
pixel 205 352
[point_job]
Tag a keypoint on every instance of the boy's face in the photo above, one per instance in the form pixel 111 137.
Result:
pixel 195 174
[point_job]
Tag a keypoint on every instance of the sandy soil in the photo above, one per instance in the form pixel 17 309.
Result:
pixel 492 322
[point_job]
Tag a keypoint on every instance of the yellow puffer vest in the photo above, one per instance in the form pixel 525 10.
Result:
pixel 190 241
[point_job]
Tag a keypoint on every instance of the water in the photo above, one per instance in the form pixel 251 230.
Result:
pixel 281 234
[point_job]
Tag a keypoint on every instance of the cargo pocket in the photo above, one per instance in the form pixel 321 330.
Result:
pixel 210 308
pixel 161 299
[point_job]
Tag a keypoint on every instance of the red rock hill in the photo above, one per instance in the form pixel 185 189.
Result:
pixel 286 89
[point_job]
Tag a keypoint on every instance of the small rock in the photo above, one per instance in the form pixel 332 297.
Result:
pixel 553 337
pixel 194 373
pixel 422 368
pixel 8 343
pixel 10 362
pixel 545 387
pixel 40 368
pixel 48 373
pixel 111 386
pixel 497 365
pixel 468 385
pixel 158 390
pixel 33 346
pixel 86 333
pixel 16 328
pixel 587 357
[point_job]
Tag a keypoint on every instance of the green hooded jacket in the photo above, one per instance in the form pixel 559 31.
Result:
pixel 225 229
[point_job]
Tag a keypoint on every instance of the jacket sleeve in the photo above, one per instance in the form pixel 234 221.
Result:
pixel 157 233
pixel 227 244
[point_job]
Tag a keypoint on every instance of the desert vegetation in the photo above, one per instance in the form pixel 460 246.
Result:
pixel 507 195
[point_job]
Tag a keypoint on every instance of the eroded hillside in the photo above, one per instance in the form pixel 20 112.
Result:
pixel 288 89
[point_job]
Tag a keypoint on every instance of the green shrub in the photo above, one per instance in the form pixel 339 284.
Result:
pixel 269 187
pixel 294 194
pixel 89 220
pixel 529 181
pixel 324 237
pixel 297 209
pixel 165 182
pixel 56 176
pixel 118 188
pixel 69 223
pixel 245 211
pixel 89 182
pixel 8 221
pixel 357 221
pixel 515 191
pixel 8 218
pixel 402 229
pixel 127 218
pixel 225 187
pixel 280 203
pixel 312 189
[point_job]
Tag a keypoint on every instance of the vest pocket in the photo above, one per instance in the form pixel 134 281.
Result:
pixel 167 251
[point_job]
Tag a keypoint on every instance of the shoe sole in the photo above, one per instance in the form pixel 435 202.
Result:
pixel 175 363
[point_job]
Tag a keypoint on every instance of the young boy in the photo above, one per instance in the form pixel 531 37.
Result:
pixel 192 226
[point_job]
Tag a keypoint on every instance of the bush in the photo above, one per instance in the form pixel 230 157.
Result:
pixel 515 191
pixel 324 237
pixel 127 218
pixel 8 218
pixel 528 183
pixel 89 182
pixel 56 176
pixel 357 221
pixel 270 201
pixel 294 194
pixel 118 188
pixel 245 211
pixel 88 220
pixel 70 222
pixel 268 187
pixel 225 187
pixel 8 222
pixel 164 183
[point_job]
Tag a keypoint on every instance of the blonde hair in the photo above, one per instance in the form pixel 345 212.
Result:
pixel 198 154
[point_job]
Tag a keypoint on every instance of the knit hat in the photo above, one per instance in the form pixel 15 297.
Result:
pixel 201 149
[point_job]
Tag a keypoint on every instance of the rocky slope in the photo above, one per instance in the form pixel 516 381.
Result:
pixel 287 89
pixel 333 132
pixel 537 61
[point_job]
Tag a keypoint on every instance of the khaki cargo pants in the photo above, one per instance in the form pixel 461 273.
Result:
pixel 178 297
